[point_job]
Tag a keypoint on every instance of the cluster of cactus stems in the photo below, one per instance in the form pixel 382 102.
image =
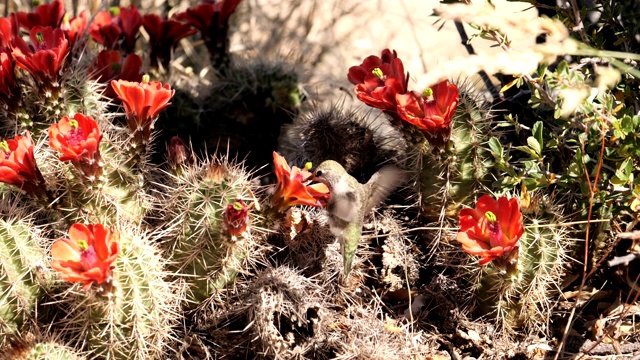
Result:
pixel 110 253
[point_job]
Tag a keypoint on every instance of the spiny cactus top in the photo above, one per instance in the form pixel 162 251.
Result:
pixel 492 230
pixel 378 79
pixel 86 256
pixel 291 189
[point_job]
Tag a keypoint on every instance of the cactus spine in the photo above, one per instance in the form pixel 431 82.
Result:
pixel 452 175
pixel 20 256
pixel 199 244
pixel 130 318
pixel 521 300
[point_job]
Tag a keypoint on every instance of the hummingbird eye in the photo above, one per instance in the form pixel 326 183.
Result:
pixel 318 173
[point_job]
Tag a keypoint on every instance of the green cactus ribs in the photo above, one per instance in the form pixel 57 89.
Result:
pixel 201 243
pixel 452 175
pixel 21 276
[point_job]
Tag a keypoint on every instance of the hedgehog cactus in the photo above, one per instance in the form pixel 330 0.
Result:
pixel 210 238
pixel 101 181
pixel 522 265
pixel 453 171
pixel 126 313
pixel 49 350
pixel 359 143
pixel 20 281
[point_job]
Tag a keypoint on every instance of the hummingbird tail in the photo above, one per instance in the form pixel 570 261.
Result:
pixel 347 265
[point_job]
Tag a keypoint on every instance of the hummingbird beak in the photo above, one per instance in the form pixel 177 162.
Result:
pixel 315 180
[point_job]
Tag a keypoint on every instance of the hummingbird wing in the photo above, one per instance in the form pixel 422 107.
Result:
pixel 343 205
pixel 382 184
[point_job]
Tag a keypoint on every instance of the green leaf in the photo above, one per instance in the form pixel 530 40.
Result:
pixel 528 150
pixel 496 148
pixel 537 133
pixel 624 171
pixel 534 145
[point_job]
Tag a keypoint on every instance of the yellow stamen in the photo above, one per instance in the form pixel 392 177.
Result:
pixel 74 124
pixel 428 92
pixel 308 165
pixel 490 216
pixel 114 10
pixel 237 206
pixel 39 37
pixel 82 244
pixel 378 73
pixel 4 146
pixel 145 78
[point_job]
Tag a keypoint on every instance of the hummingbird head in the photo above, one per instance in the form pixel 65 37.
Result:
pixel 329 172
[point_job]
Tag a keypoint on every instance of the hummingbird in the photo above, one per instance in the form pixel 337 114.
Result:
pixel 351 201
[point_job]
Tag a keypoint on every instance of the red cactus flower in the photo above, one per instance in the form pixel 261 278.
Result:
pixel 75 27
pixel 18 165
pixel 117 31
pixel 78 140
pixel 87 256
pixel 178 152
pixel 212 20
pixel 164 36
pixel 7 31
pixel 44 15
pixel 236 217
pixel 142 101
pixel 291 189
pixel 378 79
pixel 7 76
pixel 492 230
pixel 46 55
pixel 432 111
pixel 209 18
pixel 109 65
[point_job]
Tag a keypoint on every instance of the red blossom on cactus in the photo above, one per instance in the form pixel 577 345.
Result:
pixel 109 65
pixel 117 31
pixel 209 18
pixel 44 15
pixel 75 27
pixel 291 189
pixel 87 256
pixel 178 152
pixel 7 76
pixel 18 165
pixel 236 217
pixel 46 55
pixel 212 20
pixel 164 36
pixel 492 230
pixel 78 140
pixel 379 79
pixel 432 111
pixel 7 31
pixel 142 101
